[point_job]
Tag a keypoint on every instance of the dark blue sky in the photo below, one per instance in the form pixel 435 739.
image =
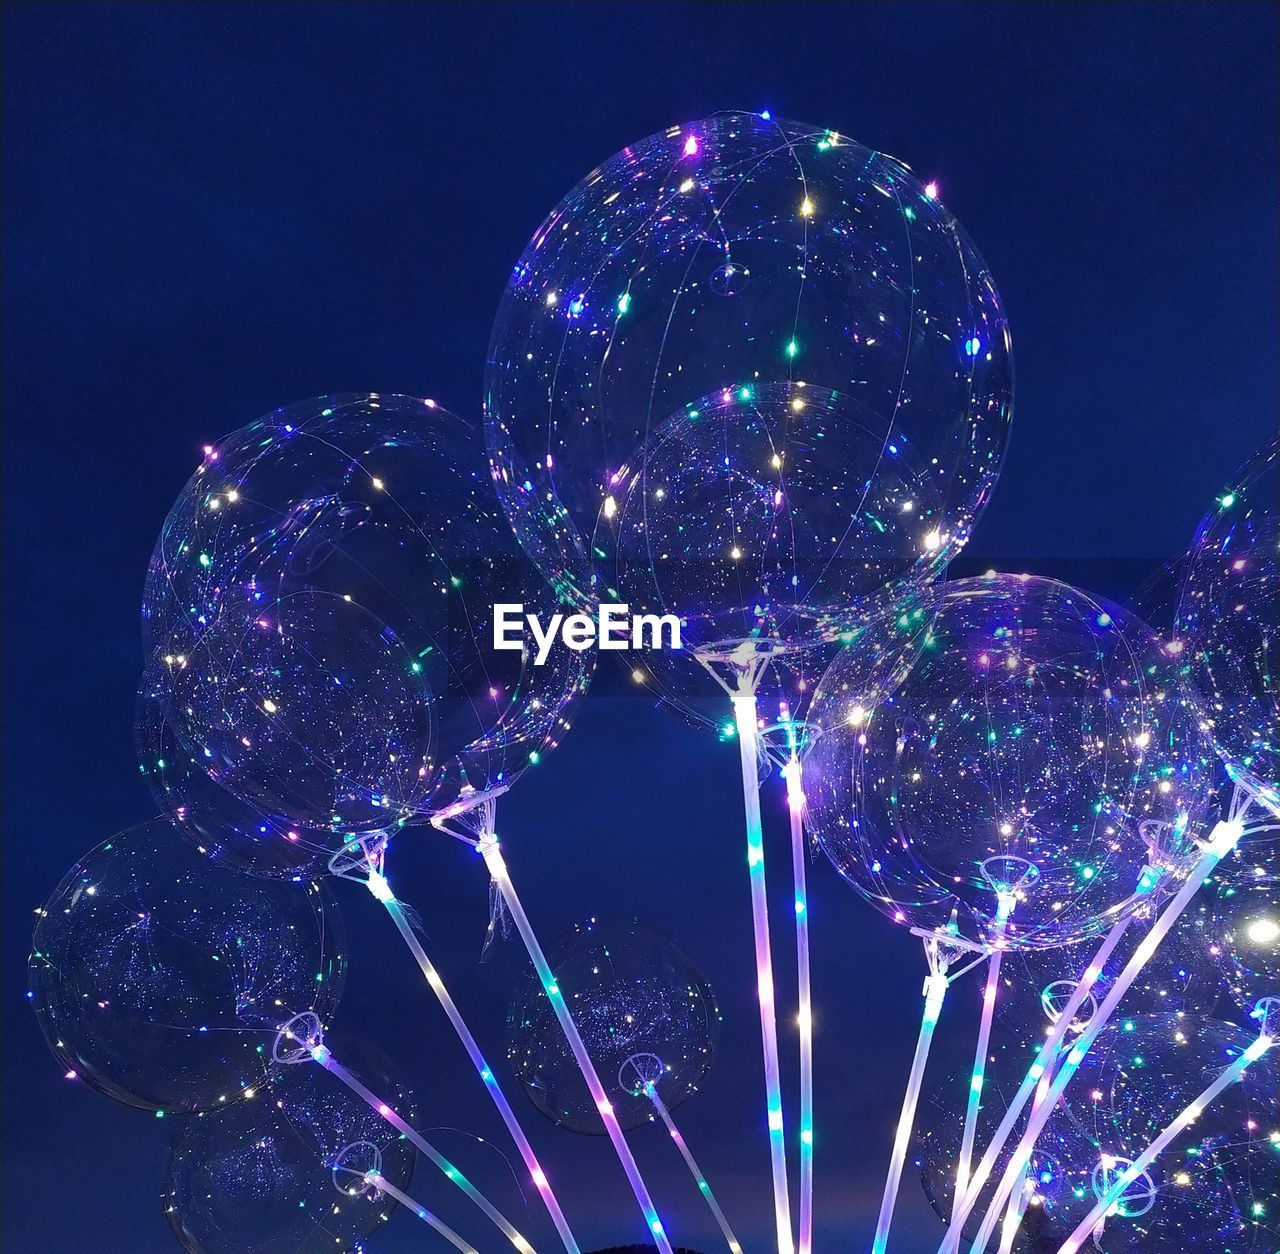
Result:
pixel 212 210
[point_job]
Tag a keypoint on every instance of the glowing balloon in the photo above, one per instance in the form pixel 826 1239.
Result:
pixel 1038 748
pixel 643 1011
pixel 734 254
pixel 320 609
pixel 161 980
pixel 1216 1186
pixel 260 1177
pixel 1228 614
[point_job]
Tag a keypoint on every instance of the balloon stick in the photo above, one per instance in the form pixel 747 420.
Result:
pixel 302 1038
pixel 494 860
pixel 363 861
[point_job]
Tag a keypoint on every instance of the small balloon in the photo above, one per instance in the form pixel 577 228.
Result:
pixel 644 1012
pixel 270 1174
pixel 160 979
pixel 1038 753
pixel 1244 930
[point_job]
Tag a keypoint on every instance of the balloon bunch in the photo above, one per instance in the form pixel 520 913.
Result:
pixel 749 387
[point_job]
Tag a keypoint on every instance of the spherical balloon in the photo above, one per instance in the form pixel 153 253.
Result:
pixel 1215 1187
pixel 645 1015
pixel 260 1177
pixel 1228 614
pixel 1038 752
pixel 741 253
pixel 320 610
pixel 161 979
pixel 1245 932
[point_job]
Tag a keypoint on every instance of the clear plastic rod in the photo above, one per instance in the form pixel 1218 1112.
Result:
pixel 325 1058
pixel 494 860
pixel 978 1075
pixel 1222 840
pixel 744 710
pixel 935 991
pixel 379 887
pixel 703 1187
pixel 1112 1197
pixel 384 1185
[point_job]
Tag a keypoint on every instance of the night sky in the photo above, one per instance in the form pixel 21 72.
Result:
pixel 213 210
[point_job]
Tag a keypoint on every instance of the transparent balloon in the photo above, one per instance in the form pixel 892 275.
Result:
pixel 267 1174
pixel 1216 1186
pixel 644 1013
pixel 160 979
pixel 1244 930
pixel 1228 614
pixel 738 253
pixel 1037 749
pixel 320 608
pixel 766 518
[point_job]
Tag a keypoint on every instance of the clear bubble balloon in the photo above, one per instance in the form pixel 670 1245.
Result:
pixel 739 253
pixel 644 1012
pixel 1244 929
pixel 1228 614
pixel 766 518
pixel 320 608
pixel 160 979
pixel 267 1174
pixel 1215 1187
pixel 1038 749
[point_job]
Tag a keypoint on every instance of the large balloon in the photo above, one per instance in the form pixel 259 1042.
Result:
pixel 1038 747
pixel 739 256
pixel 645 1015
pixel 1228 614
pixel 319 612
pixel 161 979
pixel 260 1177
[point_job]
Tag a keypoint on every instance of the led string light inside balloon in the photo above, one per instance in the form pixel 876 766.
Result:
pixel 1267 1012
pixel 362 861
pixel 357 1170
pixel 302 1039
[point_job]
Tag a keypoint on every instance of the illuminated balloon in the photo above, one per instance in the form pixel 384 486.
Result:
pixel 319 611
pixel 1228 614
pixel 260 1177
pixel 741 254
pixel 1038 748
pixel 767 520
pixel 160 979
pixel 1215 1188
pixel 643 1011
